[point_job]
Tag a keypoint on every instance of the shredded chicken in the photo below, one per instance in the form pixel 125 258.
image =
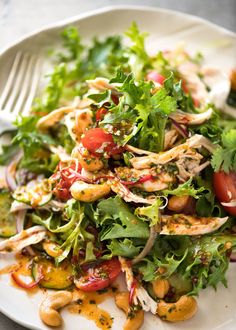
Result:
pixel 25 238
pixel 140 295
pixel 61 153
pixel 191 118
pixel 99 84
pixel 122 191
pixel 53 117
pixel 170 138
pixel 196 141
pixel 181 224
pixel 159 180
pixel 138 151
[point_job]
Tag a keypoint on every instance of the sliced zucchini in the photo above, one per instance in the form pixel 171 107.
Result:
pixel 7 219
pixel 34 194
pixel 54 277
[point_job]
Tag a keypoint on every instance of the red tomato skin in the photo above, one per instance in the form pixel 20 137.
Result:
pixel 155 76
pixel 92 284
pixel 97 141
pixel 225 189
pixel 100 114
pixel 93 281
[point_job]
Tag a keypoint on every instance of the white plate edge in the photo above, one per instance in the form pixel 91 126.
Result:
pixel 107 9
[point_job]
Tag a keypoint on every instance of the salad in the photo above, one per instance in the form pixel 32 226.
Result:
pixel 126 166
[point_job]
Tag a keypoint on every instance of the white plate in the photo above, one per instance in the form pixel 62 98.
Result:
pixel 166 29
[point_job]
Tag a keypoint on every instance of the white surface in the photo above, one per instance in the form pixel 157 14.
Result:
pixel 216 310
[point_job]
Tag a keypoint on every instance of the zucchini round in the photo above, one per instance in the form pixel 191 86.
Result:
pixel 54 277
pixel 7 219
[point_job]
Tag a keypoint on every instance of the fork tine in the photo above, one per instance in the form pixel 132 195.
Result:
pixel 35 81
pixel 10 79
pixel 8 107
pixel 25 88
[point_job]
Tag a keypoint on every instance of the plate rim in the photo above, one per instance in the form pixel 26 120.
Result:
pixel 82 16
pixel 107 9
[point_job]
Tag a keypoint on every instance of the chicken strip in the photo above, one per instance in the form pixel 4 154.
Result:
pixel 149 180
pixel 195 142
pixel 25 238
pixel 181 224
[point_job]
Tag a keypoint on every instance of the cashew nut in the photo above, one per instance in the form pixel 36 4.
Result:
pixel 89 162
pixel 178 203
pixel 134 318
pixel 52 249
pixel 48 309
pixel 160 287
pixel 181 310
pixel 86 192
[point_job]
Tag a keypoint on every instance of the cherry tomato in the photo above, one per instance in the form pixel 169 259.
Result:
pixel 98 141
pixel 155 76
pixel 100 276
pixel 101 113
pixel 225 189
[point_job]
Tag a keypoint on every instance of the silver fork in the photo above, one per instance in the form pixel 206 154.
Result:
pixel 20 89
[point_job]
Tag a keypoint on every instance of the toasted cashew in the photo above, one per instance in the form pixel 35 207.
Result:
pixel 52 249
pixel 89 162
pixel 48 309
pixel 160 287
pixel 134 318
pixel 178 203
pixel 183 309
pixel 86 192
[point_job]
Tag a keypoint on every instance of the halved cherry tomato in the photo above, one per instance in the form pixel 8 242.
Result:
pixel 98 141
pixel 225 189
pixel 100 276
pixel 155 76
pixel 101 113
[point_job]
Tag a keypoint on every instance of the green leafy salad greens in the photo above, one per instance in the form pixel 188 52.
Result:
pixel 118 159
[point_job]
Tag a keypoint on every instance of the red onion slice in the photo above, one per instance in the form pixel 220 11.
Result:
pixel 20 218
pixel 30 251
pixel 232 203
pixel 182 130
pixel 11 171
pixel 233 257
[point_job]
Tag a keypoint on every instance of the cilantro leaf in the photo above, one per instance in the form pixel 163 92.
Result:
pixel 224 157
